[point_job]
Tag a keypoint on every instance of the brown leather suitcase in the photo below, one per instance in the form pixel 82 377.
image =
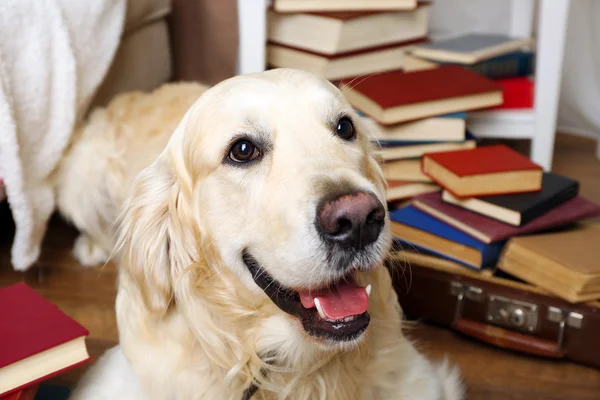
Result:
pixel 500 311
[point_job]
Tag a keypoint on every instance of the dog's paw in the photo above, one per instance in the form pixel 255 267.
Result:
pixel 88 253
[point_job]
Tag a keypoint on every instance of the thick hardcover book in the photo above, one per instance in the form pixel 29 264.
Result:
pixel 443 128
pixel 520 209
pixel 490 230
pixel 564 262
pixel 399 96
pixel 483 171
pixel 433 235
pixel 519 63
pixel 37 340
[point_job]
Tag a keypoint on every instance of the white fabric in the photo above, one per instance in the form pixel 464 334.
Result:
pixel 580 87
pixel 53 55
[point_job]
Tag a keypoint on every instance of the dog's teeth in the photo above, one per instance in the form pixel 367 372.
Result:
pixel 368 289
pixel 320 309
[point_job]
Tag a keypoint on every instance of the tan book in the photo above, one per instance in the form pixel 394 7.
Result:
pixel 399 190
pixel 412 63
pixel 404 170
pixel 339 32
pixel 362 62
pixel 566 263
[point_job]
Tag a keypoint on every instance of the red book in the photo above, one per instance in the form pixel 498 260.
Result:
pixel 489 230
pixel 483 171
pixel 518 93
pixel 398 96
pixel 37 340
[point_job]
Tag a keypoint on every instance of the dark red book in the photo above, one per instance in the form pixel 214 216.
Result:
pixel 399 96
pixel 37 340
pixel 518 93
pixel 483 171
pixel 489 230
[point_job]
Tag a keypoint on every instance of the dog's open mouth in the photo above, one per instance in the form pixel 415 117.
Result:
pixel 337 312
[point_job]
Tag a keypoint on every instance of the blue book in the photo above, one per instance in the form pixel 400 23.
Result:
pixel 396 143
pixel 415 229
pixel 519 63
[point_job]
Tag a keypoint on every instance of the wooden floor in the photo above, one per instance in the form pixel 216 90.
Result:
pixel 88 295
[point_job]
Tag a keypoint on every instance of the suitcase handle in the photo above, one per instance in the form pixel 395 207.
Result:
pixel 509 339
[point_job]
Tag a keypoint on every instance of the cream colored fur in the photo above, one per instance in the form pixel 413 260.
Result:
pixel 193 323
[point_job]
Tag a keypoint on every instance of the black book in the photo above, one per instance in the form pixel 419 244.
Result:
pixel 519 209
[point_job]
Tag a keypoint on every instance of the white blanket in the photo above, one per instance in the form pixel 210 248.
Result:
pixel 53 56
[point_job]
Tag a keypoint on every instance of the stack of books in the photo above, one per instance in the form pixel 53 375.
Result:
pixel 414 113
pixel 344 38
pixel 510 62
pixel 500 212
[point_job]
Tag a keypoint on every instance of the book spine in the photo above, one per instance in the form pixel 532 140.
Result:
pixel 507 66
pixel 491 253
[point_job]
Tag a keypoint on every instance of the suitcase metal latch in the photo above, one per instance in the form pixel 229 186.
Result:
pixel 513 314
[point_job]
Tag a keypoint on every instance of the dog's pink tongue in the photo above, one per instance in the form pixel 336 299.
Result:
pixel 343 300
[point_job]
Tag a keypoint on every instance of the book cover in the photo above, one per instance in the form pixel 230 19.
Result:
pixel 556 189
pixel 397 88
pixel 483 160
pixel 470 43
pixel 413 217
pixel 490 230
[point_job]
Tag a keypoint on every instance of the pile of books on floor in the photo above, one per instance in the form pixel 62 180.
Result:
pixel 500 213
pixel 510 62
pixel 379 54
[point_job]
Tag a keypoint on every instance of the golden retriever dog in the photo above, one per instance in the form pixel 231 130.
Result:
pixel 251 258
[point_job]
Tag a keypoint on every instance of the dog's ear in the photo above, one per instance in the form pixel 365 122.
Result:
pixel 156 235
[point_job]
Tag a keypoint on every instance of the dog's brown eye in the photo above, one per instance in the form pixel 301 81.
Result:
pixel 243 151
pixel 345 129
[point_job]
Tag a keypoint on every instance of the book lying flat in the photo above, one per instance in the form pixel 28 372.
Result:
pixel 404 170
pixel 520 209
pixel 489 230
pixel 37 340
pixel 422 231
pixel 565 262
pixel 484 171
pixel 339 32
pixel 398 96
pixel 413 150
pixel 400 190
pixel 443 128
pixel 471 48
pixel 337 5
pixel 388 57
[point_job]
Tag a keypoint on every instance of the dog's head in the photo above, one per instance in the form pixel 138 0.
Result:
pixel 271 172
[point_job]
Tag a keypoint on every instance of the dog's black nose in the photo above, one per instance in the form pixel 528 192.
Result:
pixel 352 221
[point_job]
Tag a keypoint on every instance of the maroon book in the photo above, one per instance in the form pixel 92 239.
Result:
pixel 489 230
pixel 29 327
